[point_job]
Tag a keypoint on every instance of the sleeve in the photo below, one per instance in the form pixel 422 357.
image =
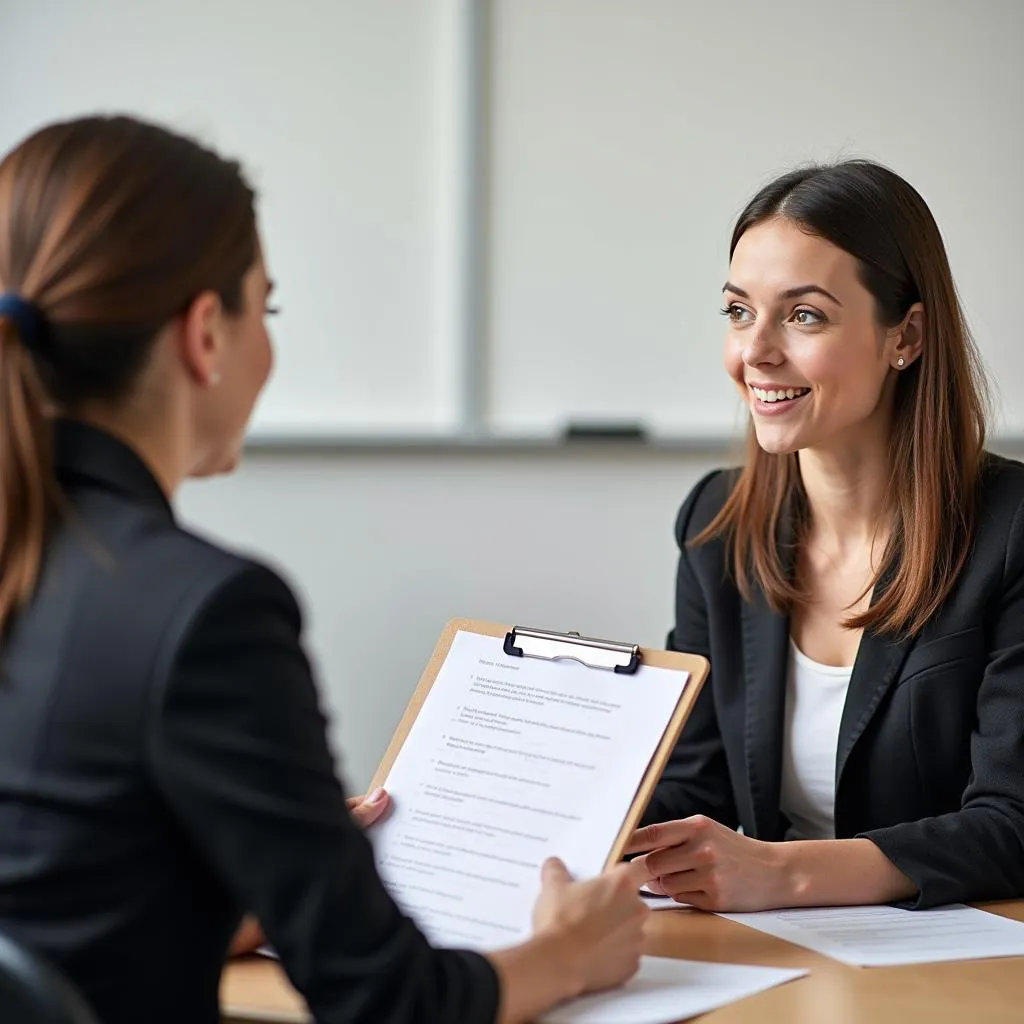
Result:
pixel 977 852
pixel 696 777
pixel 239 751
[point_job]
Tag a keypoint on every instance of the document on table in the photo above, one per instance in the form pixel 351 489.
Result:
pixel 665 990
pixel 886 936
pixel 510 761
pixel 655 901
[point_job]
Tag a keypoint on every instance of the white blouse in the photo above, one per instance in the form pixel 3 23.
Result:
pixel 815 696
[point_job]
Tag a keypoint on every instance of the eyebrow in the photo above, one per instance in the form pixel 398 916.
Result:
pixel 789 293
pixel 271 285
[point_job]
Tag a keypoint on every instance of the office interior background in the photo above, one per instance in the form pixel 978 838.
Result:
pixel 490 220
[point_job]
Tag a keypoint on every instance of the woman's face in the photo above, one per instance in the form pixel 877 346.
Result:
pixel 244 366
pixel 804 345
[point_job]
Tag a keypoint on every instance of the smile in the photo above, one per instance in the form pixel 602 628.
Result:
pixel 779 394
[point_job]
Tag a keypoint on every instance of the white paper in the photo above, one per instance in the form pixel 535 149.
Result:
pixel 666 990
pixel 886 936
pixel 510 761
pixel 655 902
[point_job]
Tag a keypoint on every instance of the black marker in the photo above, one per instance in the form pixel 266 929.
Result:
pixel 633 432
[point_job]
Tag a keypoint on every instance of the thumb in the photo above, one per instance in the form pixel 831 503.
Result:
pixel 553 872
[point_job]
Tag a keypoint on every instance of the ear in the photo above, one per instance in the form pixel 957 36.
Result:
pixel 905 341
pixel 203 335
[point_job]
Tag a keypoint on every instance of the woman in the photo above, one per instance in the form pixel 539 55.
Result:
pixel 163 761
pixel 858 586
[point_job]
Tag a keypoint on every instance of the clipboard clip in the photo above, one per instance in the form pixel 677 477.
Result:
pixel 609 655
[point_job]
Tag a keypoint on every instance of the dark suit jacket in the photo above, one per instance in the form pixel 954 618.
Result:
pixel 930 763
pixel 163 766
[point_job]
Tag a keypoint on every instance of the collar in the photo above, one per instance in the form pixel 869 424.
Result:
pixel 85 454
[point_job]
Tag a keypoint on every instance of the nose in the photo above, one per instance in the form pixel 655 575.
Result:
pixel 761 346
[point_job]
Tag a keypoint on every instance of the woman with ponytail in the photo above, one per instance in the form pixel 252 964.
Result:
pixel 163 758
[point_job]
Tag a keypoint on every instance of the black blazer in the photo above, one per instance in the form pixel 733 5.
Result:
pixel 930 763
pixel 164 765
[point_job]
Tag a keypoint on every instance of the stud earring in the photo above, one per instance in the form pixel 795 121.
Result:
pixel 214 379
pixel 899 362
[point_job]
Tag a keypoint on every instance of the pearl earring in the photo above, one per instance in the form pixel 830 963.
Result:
pixel 899 362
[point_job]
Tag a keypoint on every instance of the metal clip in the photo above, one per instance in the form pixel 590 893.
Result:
pixel 609 655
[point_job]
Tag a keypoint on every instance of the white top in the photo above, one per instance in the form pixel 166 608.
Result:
pixel 815 696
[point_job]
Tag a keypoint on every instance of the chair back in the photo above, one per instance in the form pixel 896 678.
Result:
pixel 33 991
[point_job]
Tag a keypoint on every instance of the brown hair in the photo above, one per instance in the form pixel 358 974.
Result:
pixel 938 429
pixel 109 227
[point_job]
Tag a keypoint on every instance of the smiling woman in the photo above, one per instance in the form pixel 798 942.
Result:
pixel 858 585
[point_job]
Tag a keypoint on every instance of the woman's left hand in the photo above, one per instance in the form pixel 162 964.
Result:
pixel 700 862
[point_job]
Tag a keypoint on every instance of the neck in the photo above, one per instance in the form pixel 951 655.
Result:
pixel 847 490
pixel 159 448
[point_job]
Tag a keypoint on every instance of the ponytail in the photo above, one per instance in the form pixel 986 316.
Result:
pixel 109 229
pixel 27 483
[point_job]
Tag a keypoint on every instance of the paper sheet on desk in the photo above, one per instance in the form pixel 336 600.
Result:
pixel 887 936
pixel 510 761
pixel 664 991
pixel 654 901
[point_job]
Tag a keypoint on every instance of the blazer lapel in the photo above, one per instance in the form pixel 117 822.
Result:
pixel 765 656
pixel 765 663
pixel 875 668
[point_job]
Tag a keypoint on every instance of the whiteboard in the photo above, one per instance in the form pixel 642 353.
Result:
pixel 342 112
pixel 627 137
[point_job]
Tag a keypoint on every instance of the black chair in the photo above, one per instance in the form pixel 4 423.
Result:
pixel 33 991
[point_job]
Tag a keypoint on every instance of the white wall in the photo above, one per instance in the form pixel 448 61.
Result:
pixel 627 135
pixel 384 549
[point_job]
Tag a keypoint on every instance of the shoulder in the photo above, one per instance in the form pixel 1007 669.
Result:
pixel 1000 522
pixel 1001 483
pixel 218 587
pixel 704 502
pixel 159 583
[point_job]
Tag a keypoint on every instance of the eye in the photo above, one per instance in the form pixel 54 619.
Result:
pixel 272 310
pixel 737 313
pixel 808 317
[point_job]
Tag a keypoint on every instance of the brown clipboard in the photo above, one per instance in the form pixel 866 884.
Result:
pixel 694 664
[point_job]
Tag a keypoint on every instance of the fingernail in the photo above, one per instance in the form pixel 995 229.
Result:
pixel 376 796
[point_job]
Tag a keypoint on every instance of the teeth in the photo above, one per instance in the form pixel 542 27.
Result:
pixel 779 394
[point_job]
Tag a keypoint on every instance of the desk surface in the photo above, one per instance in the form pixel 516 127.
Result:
pixel 981 991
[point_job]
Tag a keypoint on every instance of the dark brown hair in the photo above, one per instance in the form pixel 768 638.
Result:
pixel 938 427
pixel 109 227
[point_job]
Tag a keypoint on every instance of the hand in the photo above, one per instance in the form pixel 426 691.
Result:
pixel 600 921
pixel 248 938
pixel 700 862
pixel 365 810
pixel 368 809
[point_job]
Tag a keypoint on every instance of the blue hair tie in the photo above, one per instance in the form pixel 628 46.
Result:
pixel 27 318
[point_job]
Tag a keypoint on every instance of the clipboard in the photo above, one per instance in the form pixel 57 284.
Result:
pixel 600 655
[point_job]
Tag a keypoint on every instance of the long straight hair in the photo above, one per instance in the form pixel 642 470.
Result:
pixel 938 427
pixel 109 227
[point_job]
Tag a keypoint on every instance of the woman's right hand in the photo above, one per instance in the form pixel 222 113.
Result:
pixel 599 922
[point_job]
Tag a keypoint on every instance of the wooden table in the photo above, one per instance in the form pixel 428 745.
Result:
pixel 965 992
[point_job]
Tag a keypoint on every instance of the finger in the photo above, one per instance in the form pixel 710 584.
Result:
pixel 248 938
pixel 553 872
pixel 371 809
pixel 627 876
pixel 698 899
pixel 665 833
pixel 681 885
pixel 638 871
pixel 685 857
